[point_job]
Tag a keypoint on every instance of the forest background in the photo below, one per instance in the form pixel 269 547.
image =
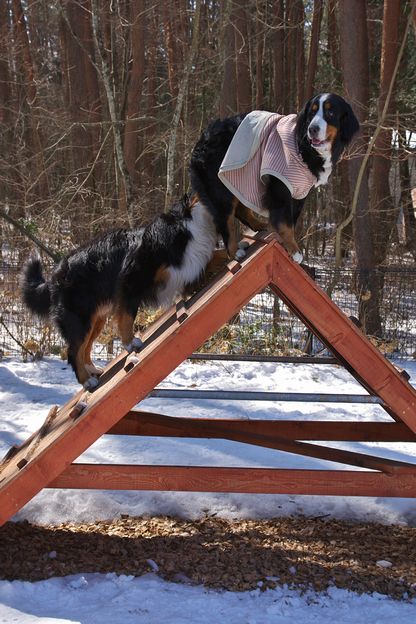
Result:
pixel 102 101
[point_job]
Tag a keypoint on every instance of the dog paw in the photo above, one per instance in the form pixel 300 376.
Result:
pixel 241 252
pixel 91 384
pixel 298 257
pixel 135 345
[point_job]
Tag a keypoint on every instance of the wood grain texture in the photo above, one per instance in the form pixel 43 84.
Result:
pixel 243 480
pixel 48 453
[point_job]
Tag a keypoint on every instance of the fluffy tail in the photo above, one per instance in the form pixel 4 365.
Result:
pixel 35 289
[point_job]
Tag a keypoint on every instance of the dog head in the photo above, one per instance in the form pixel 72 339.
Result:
pixel 327 124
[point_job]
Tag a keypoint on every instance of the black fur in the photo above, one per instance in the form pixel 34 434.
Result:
pixel 35 291
pixel 212 146
pixel 206 160
pixel 119 270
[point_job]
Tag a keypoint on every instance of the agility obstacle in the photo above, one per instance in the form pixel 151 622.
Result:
pixel 47 458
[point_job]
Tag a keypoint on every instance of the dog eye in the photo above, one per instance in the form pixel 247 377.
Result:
pixel 330 114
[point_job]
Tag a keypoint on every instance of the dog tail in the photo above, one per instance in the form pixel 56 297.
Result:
pixel 35 289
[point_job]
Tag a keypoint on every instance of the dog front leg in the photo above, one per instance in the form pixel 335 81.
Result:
pixel 283 214
pixel 287 234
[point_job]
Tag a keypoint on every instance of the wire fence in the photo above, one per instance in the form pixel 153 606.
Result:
pixel 264 327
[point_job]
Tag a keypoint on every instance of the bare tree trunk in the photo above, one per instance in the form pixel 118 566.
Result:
pixel 149 150
pixel 5 83
pixel 279 56
pixel 6 137
pixel 41 183
pixel 171 47
pixel 183 87
pixel 82 94
pixel 135 86
pixel 228 98
pixel 355 62
pixel 259 60
pixel 333 35
pixel 241 35
pixel 313 48
pixel 382 204
pixel 290 57
pixel 300 55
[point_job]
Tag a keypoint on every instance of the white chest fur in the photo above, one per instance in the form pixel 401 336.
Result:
pixel 198 253
pixel 324 151
pixel 324 175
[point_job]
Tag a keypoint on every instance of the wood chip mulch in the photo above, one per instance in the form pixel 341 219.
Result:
pixel 302 552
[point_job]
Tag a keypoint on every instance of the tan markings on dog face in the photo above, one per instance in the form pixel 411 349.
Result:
pixel 315 107
pixel 327 105
pixel 161 275
pixel 125 324
pixel 287 234
pixel 331 133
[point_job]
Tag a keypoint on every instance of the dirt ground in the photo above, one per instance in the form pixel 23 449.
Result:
pixel 303 552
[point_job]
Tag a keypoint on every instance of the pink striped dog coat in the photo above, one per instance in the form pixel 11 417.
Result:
pixel 264 145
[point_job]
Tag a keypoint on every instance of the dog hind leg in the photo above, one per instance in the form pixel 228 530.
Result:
pixel 97 327
pixel 125 323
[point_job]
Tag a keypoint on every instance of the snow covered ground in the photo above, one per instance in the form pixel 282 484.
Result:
pixel 27 390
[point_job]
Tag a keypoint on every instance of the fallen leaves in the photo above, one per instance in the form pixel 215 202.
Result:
pixel 249 554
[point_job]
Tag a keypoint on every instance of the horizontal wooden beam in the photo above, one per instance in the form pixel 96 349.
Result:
pixel 138 422
pixel 308 449
pixel 236 480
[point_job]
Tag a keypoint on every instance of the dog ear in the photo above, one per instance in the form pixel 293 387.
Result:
pixel 301 127
pixel 349 124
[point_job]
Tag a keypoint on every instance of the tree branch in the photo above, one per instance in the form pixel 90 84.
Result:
pixel 21 228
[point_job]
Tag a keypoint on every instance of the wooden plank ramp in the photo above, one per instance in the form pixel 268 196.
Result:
pixel 46 458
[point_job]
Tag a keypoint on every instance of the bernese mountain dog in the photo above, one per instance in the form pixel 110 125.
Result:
pixel 307 146
pixel 119 273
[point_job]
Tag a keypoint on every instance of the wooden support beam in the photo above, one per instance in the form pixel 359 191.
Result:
pixel 326 453
pixel 45 459
pixel 138 422
pixel 242 480
pixel 343 338
pixel 166 345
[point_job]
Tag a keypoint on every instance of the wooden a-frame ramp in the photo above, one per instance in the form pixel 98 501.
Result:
pixel 46 458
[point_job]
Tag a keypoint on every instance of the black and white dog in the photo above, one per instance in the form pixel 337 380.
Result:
pixel 118 273
pixel 313 140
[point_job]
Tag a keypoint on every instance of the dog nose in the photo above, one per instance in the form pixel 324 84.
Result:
pixel 313 130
